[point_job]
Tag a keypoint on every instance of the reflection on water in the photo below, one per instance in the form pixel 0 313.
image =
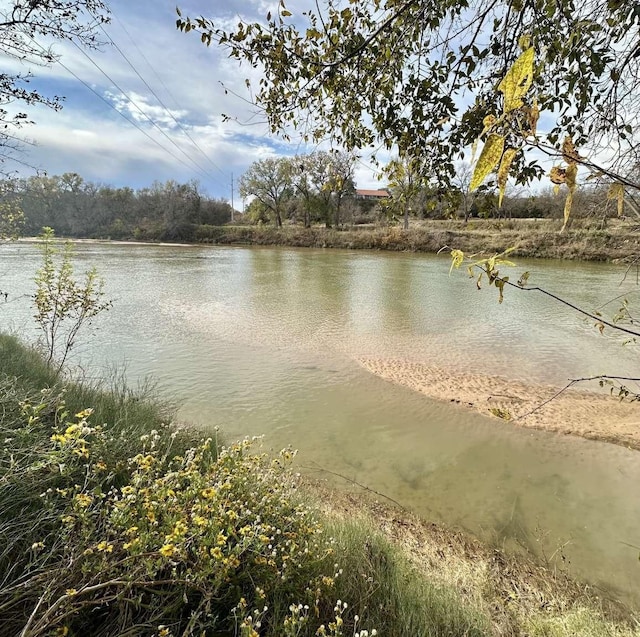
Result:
pixel 263 341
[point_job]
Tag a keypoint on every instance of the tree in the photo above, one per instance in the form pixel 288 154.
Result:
pixel 24 24
pixel 421 77
pixel 462 182
pixel 406 181
pixel 302 172
pixel 269 181
pixel 63 304
pixel 317 169
pixel 340 180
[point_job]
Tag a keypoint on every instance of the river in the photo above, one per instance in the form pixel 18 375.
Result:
pixel 267 341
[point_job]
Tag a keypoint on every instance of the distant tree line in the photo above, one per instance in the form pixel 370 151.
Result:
pixel 319 188
pixel 74 207
pixel 307 190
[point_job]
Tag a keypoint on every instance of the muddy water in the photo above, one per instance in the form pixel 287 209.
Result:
pixel 266 341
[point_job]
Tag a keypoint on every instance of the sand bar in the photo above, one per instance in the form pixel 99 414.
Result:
pixel 589 414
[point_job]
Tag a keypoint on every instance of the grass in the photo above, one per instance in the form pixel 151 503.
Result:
pixel 585 239
pixel 386 584
pixel 513 595
pixel 115 523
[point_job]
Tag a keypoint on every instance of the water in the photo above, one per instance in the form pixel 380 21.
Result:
pixel 265 341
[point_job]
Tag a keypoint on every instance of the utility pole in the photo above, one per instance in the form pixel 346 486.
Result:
pixel 231 197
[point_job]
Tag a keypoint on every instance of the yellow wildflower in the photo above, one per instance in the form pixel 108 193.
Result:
pixel 167 550
pixel 105 546
pixel 63 631
pixel 209 493
pixel 216 553
pixel 84 500
pixel 198 520
pixel 180 529
pixel 84 413
pixel 81 452
pixel 71 591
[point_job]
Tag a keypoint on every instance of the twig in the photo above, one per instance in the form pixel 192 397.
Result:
pixel 358 484
pixel 570 384
pixel 546 402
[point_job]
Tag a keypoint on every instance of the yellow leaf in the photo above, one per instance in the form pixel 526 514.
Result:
pixel 567 209
pixel 457 257
pixel 616 191
pixel 517 81
pixel 569 152
pixel 488 122
pixel 558 176
pixel 571 174
pixel 488 160
pixel 503 171
pixel 556 189
pixel 534 116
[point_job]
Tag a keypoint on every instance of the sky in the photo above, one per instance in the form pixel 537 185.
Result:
pixel 171 86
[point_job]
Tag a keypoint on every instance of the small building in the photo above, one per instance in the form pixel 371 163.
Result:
pixel 375 195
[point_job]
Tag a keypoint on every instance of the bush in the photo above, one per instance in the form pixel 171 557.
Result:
pixel 174 544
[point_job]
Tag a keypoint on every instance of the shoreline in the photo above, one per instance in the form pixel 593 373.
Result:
pixel 584 240
pixel 586 414
pixel 485 573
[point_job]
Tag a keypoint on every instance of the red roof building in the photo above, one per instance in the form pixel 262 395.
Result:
pixel 371 194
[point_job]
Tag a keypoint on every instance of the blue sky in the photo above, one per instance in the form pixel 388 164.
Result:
pixel 90 136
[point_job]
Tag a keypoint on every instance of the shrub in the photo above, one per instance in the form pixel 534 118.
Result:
pixel 169 544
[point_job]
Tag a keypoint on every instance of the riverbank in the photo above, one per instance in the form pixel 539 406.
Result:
pixel 520 595
pixel 597 416
pixel 530 238
pixel 129 525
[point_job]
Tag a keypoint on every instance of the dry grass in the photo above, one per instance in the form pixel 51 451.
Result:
pixel 517 595
pixel 585 239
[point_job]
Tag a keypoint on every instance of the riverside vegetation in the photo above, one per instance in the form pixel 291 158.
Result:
pixel 117 522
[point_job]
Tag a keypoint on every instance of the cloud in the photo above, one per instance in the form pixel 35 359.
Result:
pixel 185 90
pixel 139 108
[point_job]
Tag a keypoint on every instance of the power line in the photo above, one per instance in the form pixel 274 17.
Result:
pixel 110 105
pixel 179 124
pixel 141 111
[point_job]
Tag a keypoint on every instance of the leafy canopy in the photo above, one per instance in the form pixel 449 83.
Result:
pixel 424 77
pixel 26 26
